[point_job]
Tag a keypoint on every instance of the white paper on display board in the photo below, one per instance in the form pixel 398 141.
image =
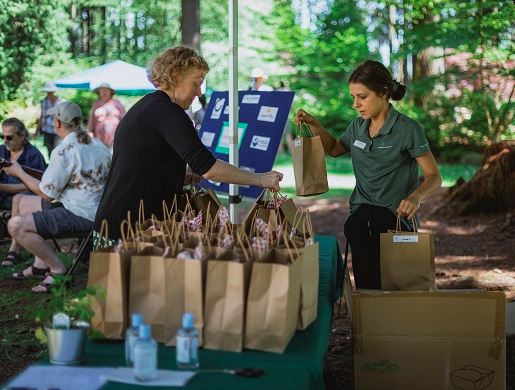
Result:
pixel 218 109
pixel 267 113
pixel 208 138
pixel 225 137
pixel 260 143
pixel 251 99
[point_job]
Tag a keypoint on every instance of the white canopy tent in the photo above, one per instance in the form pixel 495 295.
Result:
pixel 124 78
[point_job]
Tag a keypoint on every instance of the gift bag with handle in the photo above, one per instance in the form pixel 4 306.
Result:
pixel 149 230
pixel 273 208
pixel 310 275
pixel 273 301
pixel 184 277
pixel 309 163
pixel 147 289
pixel 227 281
pixel 407 260
pixel 109 273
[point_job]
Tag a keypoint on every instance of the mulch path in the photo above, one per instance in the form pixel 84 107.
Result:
pixel 476 251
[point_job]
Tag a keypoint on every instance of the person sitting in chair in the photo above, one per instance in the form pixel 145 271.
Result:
pixel 68 195
pixel 16 147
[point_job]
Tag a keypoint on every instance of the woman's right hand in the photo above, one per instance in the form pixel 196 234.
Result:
pixel 271 180
pixel 303 116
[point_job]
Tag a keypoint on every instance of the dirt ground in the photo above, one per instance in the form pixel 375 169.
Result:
pixel 475 251
pixel 470 252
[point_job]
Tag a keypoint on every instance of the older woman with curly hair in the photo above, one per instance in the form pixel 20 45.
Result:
pixel 156 139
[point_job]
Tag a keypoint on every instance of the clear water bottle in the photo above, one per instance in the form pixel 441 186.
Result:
pixel 145 355
pixel 187 343
pixel 131 335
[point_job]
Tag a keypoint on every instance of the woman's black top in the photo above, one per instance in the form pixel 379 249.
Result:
pixel 152 145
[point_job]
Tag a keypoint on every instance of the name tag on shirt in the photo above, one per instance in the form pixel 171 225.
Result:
pixel 360 144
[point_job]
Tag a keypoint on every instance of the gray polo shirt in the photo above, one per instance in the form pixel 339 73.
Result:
pixel 385 167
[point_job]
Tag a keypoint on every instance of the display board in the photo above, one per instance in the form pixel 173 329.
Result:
pixel 262 119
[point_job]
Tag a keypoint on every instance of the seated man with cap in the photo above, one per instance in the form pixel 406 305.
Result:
pixel 68 194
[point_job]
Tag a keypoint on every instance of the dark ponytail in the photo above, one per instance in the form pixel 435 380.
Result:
pixel 377 78
pixel 398 90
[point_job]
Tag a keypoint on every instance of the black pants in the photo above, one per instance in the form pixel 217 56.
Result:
pixel 50 141
pixel 362 231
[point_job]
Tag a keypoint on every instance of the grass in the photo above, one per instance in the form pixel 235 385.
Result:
pixel 343 166
pixel 339 166
pixel 18 343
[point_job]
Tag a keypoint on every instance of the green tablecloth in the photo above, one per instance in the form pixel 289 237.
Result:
pixel 300 367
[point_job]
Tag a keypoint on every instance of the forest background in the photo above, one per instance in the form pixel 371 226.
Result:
pixel 456 57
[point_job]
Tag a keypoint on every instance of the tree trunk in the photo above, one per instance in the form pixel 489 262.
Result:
pixel 103 39
pixel 73 32
pixel 190 23
pixel 491 188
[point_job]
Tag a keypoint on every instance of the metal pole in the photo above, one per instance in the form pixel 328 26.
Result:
pixel 234 198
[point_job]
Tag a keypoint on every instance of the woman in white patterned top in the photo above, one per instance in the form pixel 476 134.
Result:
pixel 67 195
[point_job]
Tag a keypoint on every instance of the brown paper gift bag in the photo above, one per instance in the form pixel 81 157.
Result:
pixel 184 285
pixel 148 289
pixel 205 200
pixel 149 230
pixel 273 301
pixel 309 165
pixel 109 272
pixel 407 260
pixel 226 298
pixel 310 276
pixel 284 208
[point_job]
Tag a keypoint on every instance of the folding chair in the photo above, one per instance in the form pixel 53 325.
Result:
pixel 83 250
pixel 82 255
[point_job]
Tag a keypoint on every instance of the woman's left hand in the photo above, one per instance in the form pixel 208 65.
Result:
pixel 14 169
pixel 409 206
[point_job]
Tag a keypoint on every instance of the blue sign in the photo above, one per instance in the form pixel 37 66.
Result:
pixel 262 119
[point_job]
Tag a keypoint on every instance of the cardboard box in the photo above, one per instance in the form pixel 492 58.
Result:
pixel 434 340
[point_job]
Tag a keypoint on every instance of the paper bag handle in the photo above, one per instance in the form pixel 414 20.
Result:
pixel 398 224
pixel 306 126
pixel 141 212
pixel 130 232
pixel 103 233
pixel 242 246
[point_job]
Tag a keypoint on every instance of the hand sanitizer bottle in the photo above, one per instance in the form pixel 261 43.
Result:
pixel 145 355
pixel 131 336
pixel 187 343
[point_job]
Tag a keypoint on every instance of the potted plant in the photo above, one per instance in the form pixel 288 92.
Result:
pixel 65 322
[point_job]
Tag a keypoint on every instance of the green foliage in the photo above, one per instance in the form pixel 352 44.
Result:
pixel 45 40
pixel 77 306
pixel 28 30
pixel 468 104
pixel 321 58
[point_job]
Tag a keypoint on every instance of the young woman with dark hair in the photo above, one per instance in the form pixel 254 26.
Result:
pixel 386 148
